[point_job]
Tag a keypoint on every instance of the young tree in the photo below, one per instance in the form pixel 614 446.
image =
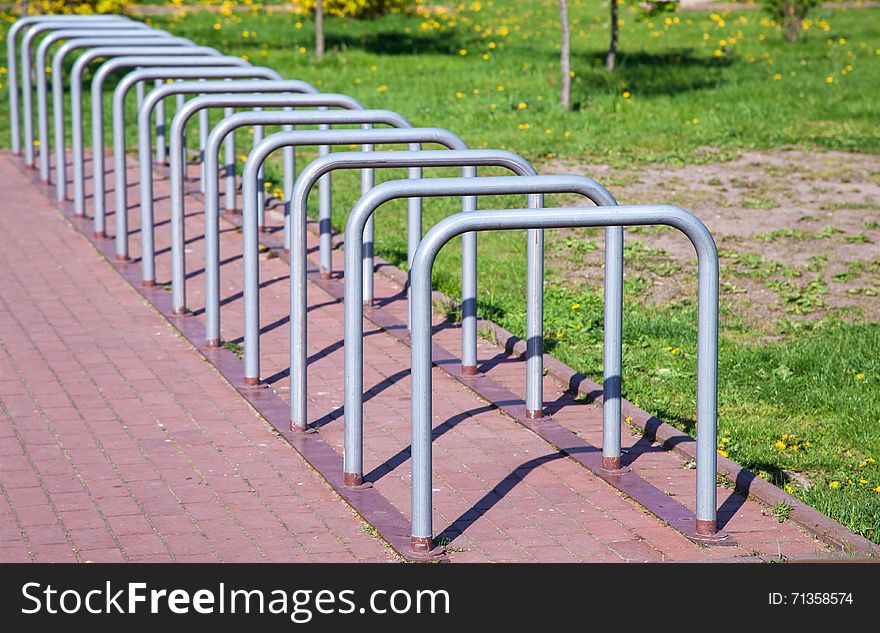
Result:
pixel 565 57
pixel 319 28
pixel 611 57
pixel 790 14
pixel 646 8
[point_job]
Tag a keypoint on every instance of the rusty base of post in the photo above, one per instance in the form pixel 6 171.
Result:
pixel 613 466
pixel 149 283
pixel 179 312
pixel 98 234
pixel 264 229
pixel 707 533
pixel 535 414
pixel 467 370
pixel 422 548
pixel 302 429
pixel 251 382
pixel 355 481
pixel 44 181
pixel 212 342
pixel 122 258
pixel 323 274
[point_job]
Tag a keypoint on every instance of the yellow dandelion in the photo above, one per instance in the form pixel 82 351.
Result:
pixel 722 452
pixel 834 484
pixel 462 52
pixel 860 376
pixel 777 76
pixel 575 306
pixel 382 88
pixel 780 445
pixel 522 105
pixel 829 79
pixel 626 95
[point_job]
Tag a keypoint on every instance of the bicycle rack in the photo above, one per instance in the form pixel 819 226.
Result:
pixel 570 217
pixel 535 186
pixel 118 116
pixel 58 91
pixel 120 34
pixel 36 27
pixel 415 161
pixel 76 106
pixel 174 67
pixel 159 56
pixel 249 194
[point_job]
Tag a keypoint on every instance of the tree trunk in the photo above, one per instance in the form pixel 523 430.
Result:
pixel 792 22
pixel 611 58
pixel 23 8
pixel 319 28
pixel 565 57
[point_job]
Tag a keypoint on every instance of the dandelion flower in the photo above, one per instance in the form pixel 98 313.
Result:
pixel 834 484
pixel 860 376
pixel 626 95
pixel 522 105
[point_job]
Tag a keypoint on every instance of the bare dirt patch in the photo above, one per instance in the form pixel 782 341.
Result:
pixel 798 233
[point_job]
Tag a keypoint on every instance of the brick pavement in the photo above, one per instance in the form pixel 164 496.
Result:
pixel 501 493
pixel 119 442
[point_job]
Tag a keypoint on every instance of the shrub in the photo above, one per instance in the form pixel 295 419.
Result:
pixel 360 9
pixel 790 14
pixel 84 7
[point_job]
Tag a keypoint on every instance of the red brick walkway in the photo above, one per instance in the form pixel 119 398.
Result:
pixel 501 493
pixel 119 442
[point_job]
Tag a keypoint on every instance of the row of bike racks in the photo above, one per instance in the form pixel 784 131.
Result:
pixel 179 68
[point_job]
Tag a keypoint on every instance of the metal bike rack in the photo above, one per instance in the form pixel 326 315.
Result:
pixel 250 193
pixel 58 89
pixel 207 89
pixel 176 66
pixel 570 217
pixel 76 103
pixel 212 202
pixel 436 187
pixel 58 105
pixel 415 161
pixel 27 73
pixel 64 21
pixel 120 34
pixel 120 92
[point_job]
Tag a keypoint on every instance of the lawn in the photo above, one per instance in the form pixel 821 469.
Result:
pixel 799 397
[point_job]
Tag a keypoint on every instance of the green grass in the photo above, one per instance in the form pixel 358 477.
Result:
pixel 812 387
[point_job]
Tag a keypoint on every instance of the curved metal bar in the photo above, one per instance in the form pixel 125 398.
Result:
pixel 207 89
pixel 27 75
pixel 177 65
pixel 571 217
pixel 58 90
pixel 436 187
pixel 249 195
pixel 12 60
pixel 76 106
pixel 121 90
pixel 415 161
pixel 120 34
pixel 212 203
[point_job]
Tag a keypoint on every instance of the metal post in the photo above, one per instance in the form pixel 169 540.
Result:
pixel 12 62
pixel 76 108
pixel 433 187
pixel 120 35
pixel 707 338
pixel 58 91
